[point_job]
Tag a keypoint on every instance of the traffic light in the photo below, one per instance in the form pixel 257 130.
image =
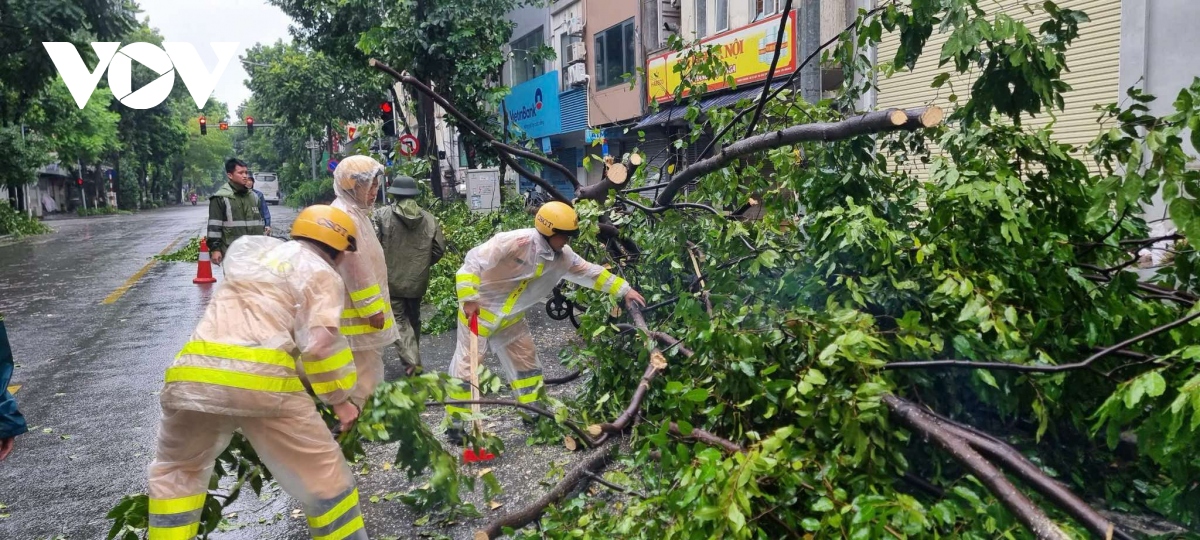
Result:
pixel 223 125
pixel 249 125
pixel 203 126
pixel 389 120
pixel 79 182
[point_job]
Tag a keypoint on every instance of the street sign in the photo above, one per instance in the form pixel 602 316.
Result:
pixel 332 164
pixel 312 145
pixel 408 145
pixel 350 131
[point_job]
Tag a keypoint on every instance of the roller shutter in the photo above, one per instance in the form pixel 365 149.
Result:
pixel 1092 60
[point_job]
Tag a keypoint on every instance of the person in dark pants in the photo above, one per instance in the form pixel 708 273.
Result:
pixel 262 207
pixel 412 242
pixel 12 423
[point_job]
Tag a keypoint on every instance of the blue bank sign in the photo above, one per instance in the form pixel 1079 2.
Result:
pixel 533 106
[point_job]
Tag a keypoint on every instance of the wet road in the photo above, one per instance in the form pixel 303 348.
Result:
pixel 90 372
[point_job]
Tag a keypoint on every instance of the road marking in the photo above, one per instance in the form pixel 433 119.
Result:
pixel 120 291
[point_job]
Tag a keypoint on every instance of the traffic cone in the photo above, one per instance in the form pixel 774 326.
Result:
pixel 204 268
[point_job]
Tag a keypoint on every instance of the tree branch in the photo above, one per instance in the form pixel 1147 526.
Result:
pixel 1016 502
pixel 596 460
pixel 708 438
pixel 872 122
pixel 762 101
pixel 501 148
pixel 600 480
pixel 1026 368
pixel 1062 497
pixel 588 441
pixel 791 78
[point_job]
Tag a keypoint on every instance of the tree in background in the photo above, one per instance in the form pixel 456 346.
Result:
pixel 307 94
pixel 201 165
pixel 26 73
pixel 152 137
pixel 456 47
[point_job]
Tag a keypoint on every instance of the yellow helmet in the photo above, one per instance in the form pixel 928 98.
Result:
pixel 556 217
pixel 327 225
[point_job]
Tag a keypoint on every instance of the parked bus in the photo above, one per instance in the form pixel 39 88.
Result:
pixel 268 184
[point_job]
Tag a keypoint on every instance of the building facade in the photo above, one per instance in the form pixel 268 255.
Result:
pixel 1128 43
pixel 548 95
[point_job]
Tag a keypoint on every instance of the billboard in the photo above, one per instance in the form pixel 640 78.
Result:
pixel 747 51
pixel 533 106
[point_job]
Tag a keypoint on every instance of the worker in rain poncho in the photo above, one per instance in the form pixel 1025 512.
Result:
pixel 505 276
pixel 368 321
pixel 274 320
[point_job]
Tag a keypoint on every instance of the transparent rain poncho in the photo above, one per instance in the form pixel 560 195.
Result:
pixel 273 321
pixel 507 275
pixel 356 182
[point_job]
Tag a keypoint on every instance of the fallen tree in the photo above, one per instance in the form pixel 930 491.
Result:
pixel 934 327
pixel 874 296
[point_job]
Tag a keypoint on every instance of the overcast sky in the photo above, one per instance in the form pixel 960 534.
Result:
pixel 201 22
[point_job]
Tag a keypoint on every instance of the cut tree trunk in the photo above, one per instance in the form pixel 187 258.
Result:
pixel 872 122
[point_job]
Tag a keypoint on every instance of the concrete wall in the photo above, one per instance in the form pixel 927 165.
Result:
pixel 1159 45
pixel 619 102
pixel 561 14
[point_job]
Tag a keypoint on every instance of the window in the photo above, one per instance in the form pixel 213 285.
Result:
pixel 722 15
pixel 524 67
pixel 564 46
pixel 701 18
pixel 764 8
pixel 616 55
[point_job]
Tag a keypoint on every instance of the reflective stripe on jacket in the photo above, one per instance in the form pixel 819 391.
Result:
pixel 365 274
pixel 272 325
pixel 232 215
pixel 514 270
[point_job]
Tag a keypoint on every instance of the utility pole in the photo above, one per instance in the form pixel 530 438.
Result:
pixel 810 40
pixel 312 155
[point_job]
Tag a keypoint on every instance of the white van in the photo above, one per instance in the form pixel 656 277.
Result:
pixel 268 184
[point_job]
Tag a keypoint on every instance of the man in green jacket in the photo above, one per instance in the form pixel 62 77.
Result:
pixel 412 243
pixel 233 212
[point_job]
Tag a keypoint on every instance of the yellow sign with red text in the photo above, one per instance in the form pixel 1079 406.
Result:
pixel 747 52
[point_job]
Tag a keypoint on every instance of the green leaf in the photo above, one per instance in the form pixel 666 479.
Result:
pixel 736 518
pixel 707 513
pixel 696 394
pixel 822 505
pixel 815 377
pixel 987 378
pixel 1155 384
pixel 828 351
pixel 768 258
